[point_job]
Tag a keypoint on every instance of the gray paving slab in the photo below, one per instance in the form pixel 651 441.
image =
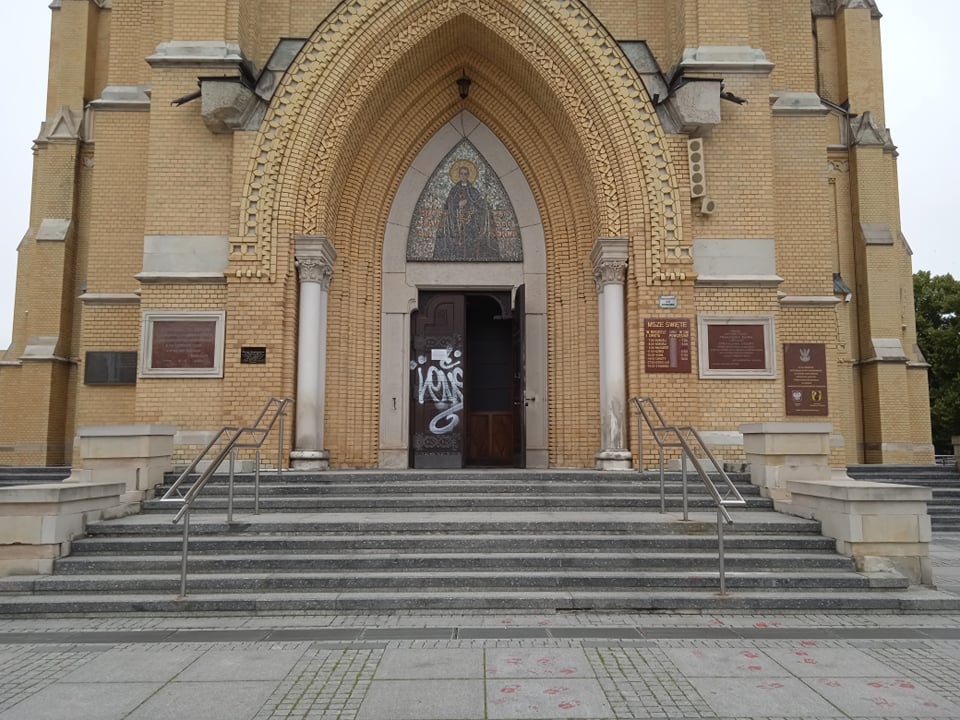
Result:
pixel 206 700
pixel 884 697
pixel 91 701
pixel 546 698
pixel 815 661
pixel 734 662
pixel 556 663
pixel 434 664
pixel 234 665
pixel 771 697
pixel 417 700
pixel 144 665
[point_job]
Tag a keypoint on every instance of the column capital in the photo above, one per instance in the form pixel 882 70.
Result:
pixel 609 257
pixel 315 256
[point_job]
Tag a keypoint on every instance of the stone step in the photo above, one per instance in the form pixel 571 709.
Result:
pixel 487 476
pixel 427 581
pixel 503 561
pixel 526 522
pixel 460 502
pixel 432 542
pixel 430 488
pixel 684 600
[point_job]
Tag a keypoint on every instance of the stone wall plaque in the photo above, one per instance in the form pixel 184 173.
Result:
pixel 666 345
pixel 736 347
pixel 253 356
pixel 805 378
pixel 184 344
pixel 110 367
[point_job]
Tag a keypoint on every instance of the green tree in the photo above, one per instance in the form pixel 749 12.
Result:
pixel 937 301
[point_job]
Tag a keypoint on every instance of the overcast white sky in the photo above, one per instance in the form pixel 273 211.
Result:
pixel 919 40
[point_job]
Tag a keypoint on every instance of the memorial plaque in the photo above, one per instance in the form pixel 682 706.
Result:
pixel 184 344
pixel 736 347
pixel 253 356
pixel 805 378
pixel 666 345
pixel 102 367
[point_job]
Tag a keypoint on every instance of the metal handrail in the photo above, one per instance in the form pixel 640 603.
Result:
pixel 229 439
pixel 686 438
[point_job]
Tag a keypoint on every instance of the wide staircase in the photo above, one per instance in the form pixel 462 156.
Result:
pixel 484 540
pixel 943 480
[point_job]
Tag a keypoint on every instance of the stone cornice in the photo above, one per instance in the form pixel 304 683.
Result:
pixel 197 53
pixel 725 59
pixel 832 8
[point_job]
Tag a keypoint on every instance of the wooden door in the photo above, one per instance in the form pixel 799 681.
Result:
pixel 519 379
pixel 436 381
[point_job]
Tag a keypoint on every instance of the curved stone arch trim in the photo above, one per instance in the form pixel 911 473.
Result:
pixel 289 129
pixel 402 282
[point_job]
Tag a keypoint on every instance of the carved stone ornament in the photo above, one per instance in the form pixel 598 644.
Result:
pixel 610 272
pixel 315 270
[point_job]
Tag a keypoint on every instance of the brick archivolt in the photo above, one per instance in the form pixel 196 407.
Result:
pixel 368 52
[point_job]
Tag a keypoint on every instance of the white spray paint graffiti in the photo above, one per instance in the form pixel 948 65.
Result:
pixel 441 381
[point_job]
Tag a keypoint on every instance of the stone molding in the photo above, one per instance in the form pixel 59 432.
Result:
pixel 866 132
pixel 609 257
pixel 733 59
pixel 832 8
pixel 804 104
pixel 110 299
pixel 314 257
pixel 135 98
pixel 53 230
pixel 64 125
pixel 809 300
pixel 196 53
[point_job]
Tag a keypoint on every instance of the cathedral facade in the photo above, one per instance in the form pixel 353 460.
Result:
pixel 464 233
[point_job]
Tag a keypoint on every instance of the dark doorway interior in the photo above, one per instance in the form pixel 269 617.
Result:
pixel 466 378
pixel 488 381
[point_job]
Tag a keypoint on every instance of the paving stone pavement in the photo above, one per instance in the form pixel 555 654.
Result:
pixel 496 666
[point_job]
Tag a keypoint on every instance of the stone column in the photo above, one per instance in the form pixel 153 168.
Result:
pixel 315 257
pixel 956 451
pixel 609 258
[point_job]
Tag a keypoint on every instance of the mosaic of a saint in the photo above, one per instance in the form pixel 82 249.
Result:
pixel 464 214
pixel 465 231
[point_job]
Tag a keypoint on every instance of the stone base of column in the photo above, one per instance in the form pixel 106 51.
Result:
pixel 614 460
pixel 310 459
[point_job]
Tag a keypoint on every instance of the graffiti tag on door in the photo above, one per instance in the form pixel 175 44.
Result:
pixel 440 381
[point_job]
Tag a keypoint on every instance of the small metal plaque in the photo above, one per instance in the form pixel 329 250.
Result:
pixel 184 344
pixel 805 378
pixel 666 345
pixel 110 368
pixel 253 356
pixel 736 347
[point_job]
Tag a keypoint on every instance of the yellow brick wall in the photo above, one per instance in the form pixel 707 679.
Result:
pixel 165 173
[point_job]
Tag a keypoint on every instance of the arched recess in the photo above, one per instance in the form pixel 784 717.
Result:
pixel 372 86
pixel 402 281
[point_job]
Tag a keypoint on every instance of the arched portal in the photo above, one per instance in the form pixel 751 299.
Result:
pixel 370 91
pixel 404 280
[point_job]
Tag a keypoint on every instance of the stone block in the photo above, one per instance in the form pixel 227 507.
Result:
pixel 125 441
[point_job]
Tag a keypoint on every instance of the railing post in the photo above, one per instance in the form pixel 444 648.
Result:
pixel 683 480
pixel 183 558
pixel 233 457
pixel 663 496
pixel 256 485
pixel 723 578
pixel 283 412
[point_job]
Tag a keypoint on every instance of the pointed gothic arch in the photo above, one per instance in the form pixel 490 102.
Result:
pixel 306 136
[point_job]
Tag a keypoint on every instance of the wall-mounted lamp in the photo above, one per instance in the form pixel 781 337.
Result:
pixel 463 84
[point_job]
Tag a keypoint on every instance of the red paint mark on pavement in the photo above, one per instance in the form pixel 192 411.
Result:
pixel 568 671
pixel 907 685
pixel 509 689
pixel 750 655
pixel 569 704
pixel 770 686
pixel 808 643
pixel 555 690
